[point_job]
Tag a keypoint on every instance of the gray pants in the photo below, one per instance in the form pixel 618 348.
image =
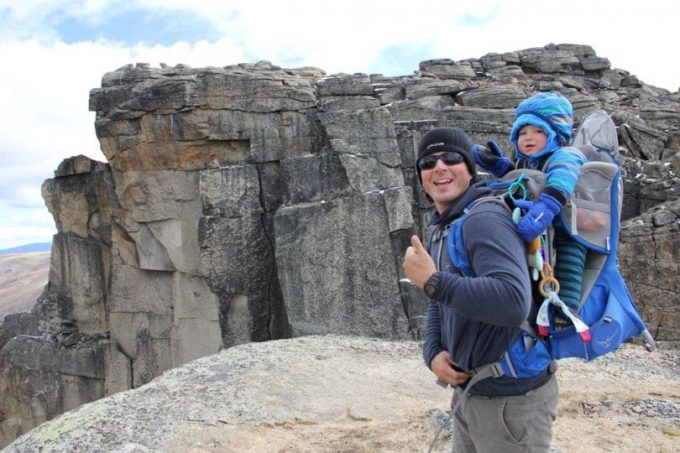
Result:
pixel 506 423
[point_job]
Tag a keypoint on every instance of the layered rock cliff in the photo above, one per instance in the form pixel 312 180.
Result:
pixel 252 202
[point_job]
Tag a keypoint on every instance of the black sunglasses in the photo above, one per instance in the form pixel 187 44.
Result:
pixel 449 158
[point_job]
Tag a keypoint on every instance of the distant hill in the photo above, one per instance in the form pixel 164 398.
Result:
pixel 23 277
pixel 34 247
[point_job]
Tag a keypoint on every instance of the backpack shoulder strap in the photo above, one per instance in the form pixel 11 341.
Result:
pixel 455 242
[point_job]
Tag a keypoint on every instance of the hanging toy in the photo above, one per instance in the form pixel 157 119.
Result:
pixel 534 250
pixel 535 258
pixel 516 215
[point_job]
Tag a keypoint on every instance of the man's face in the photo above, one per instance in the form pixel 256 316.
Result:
pixel 446 181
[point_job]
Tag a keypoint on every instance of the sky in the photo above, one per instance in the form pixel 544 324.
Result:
pixel 53 52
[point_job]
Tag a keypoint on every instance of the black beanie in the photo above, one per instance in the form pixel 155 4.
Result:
pixel 447 139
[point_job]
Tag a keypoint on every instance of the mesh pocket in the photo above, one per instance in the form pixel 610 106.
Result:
pixel 588 215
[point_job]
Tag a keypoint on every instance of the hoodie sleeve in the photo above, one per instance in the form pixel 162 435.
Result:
pixel 431 338
pixel 500 291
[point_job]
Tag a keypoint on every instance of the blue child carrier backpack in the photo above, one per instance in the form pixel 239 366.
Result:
pixel 607 315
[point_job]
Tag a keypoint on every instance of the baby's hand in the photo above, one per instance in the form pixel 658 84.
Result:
pixel 491 159
pixel 539 216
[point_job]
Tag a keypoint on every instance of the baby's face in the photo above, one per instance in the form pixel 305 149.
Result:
pixel 531 139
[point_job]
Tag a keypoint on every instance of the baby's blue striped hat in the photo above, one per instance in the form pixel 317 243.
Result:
pixel 551 109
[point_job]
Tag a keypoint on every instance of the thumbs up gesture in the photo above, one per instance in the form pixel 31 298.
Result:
pixel 418 264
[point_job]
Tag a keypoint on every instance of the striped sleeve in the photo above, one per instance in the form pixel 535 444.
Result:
pixel 562 169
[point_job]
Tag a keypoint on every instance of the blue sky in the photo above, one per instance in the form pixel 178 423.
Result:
pixel 54 52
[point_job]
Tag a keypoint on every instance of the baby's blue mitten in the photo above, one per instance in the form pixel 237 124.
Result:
pixel 539 216
pixel 491 159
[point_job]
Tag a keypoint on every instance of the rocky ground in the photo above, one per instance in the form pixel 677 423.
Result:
pixel 22 278
pixel 348 394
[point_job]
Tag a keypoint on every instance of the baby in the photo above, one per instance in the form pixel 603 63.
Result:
pixel 541 135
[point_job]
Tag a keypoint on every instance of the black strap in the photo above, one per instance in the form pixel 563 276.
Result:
pixel 494 370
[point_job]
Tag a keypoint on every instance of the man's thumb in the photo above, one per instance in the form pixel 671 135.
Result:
pixel 415 242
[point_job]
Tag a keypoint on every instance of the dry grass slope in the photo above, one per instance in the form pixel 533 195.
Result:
pixel 22 279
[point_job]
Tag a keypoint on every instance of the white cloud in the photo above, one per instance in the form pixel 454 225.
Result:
pixel 25 226
pixel 46 118
pixel 221 53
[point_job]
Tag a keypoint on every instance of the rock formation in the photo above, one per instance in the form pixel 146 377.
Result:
pixel 251 202
pixel 649 257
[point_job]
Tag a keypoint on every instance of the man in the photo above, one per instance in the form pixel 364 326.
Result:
pixel 473 320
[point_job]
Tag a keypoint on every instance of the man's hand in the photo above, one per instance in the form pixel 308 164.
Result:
pixel 418 264
pixel 442 367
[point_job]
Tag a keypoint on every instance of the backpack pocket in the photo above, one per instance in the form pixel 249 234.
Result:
pixel 611 322
pixel 590 215
pixel 527 357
